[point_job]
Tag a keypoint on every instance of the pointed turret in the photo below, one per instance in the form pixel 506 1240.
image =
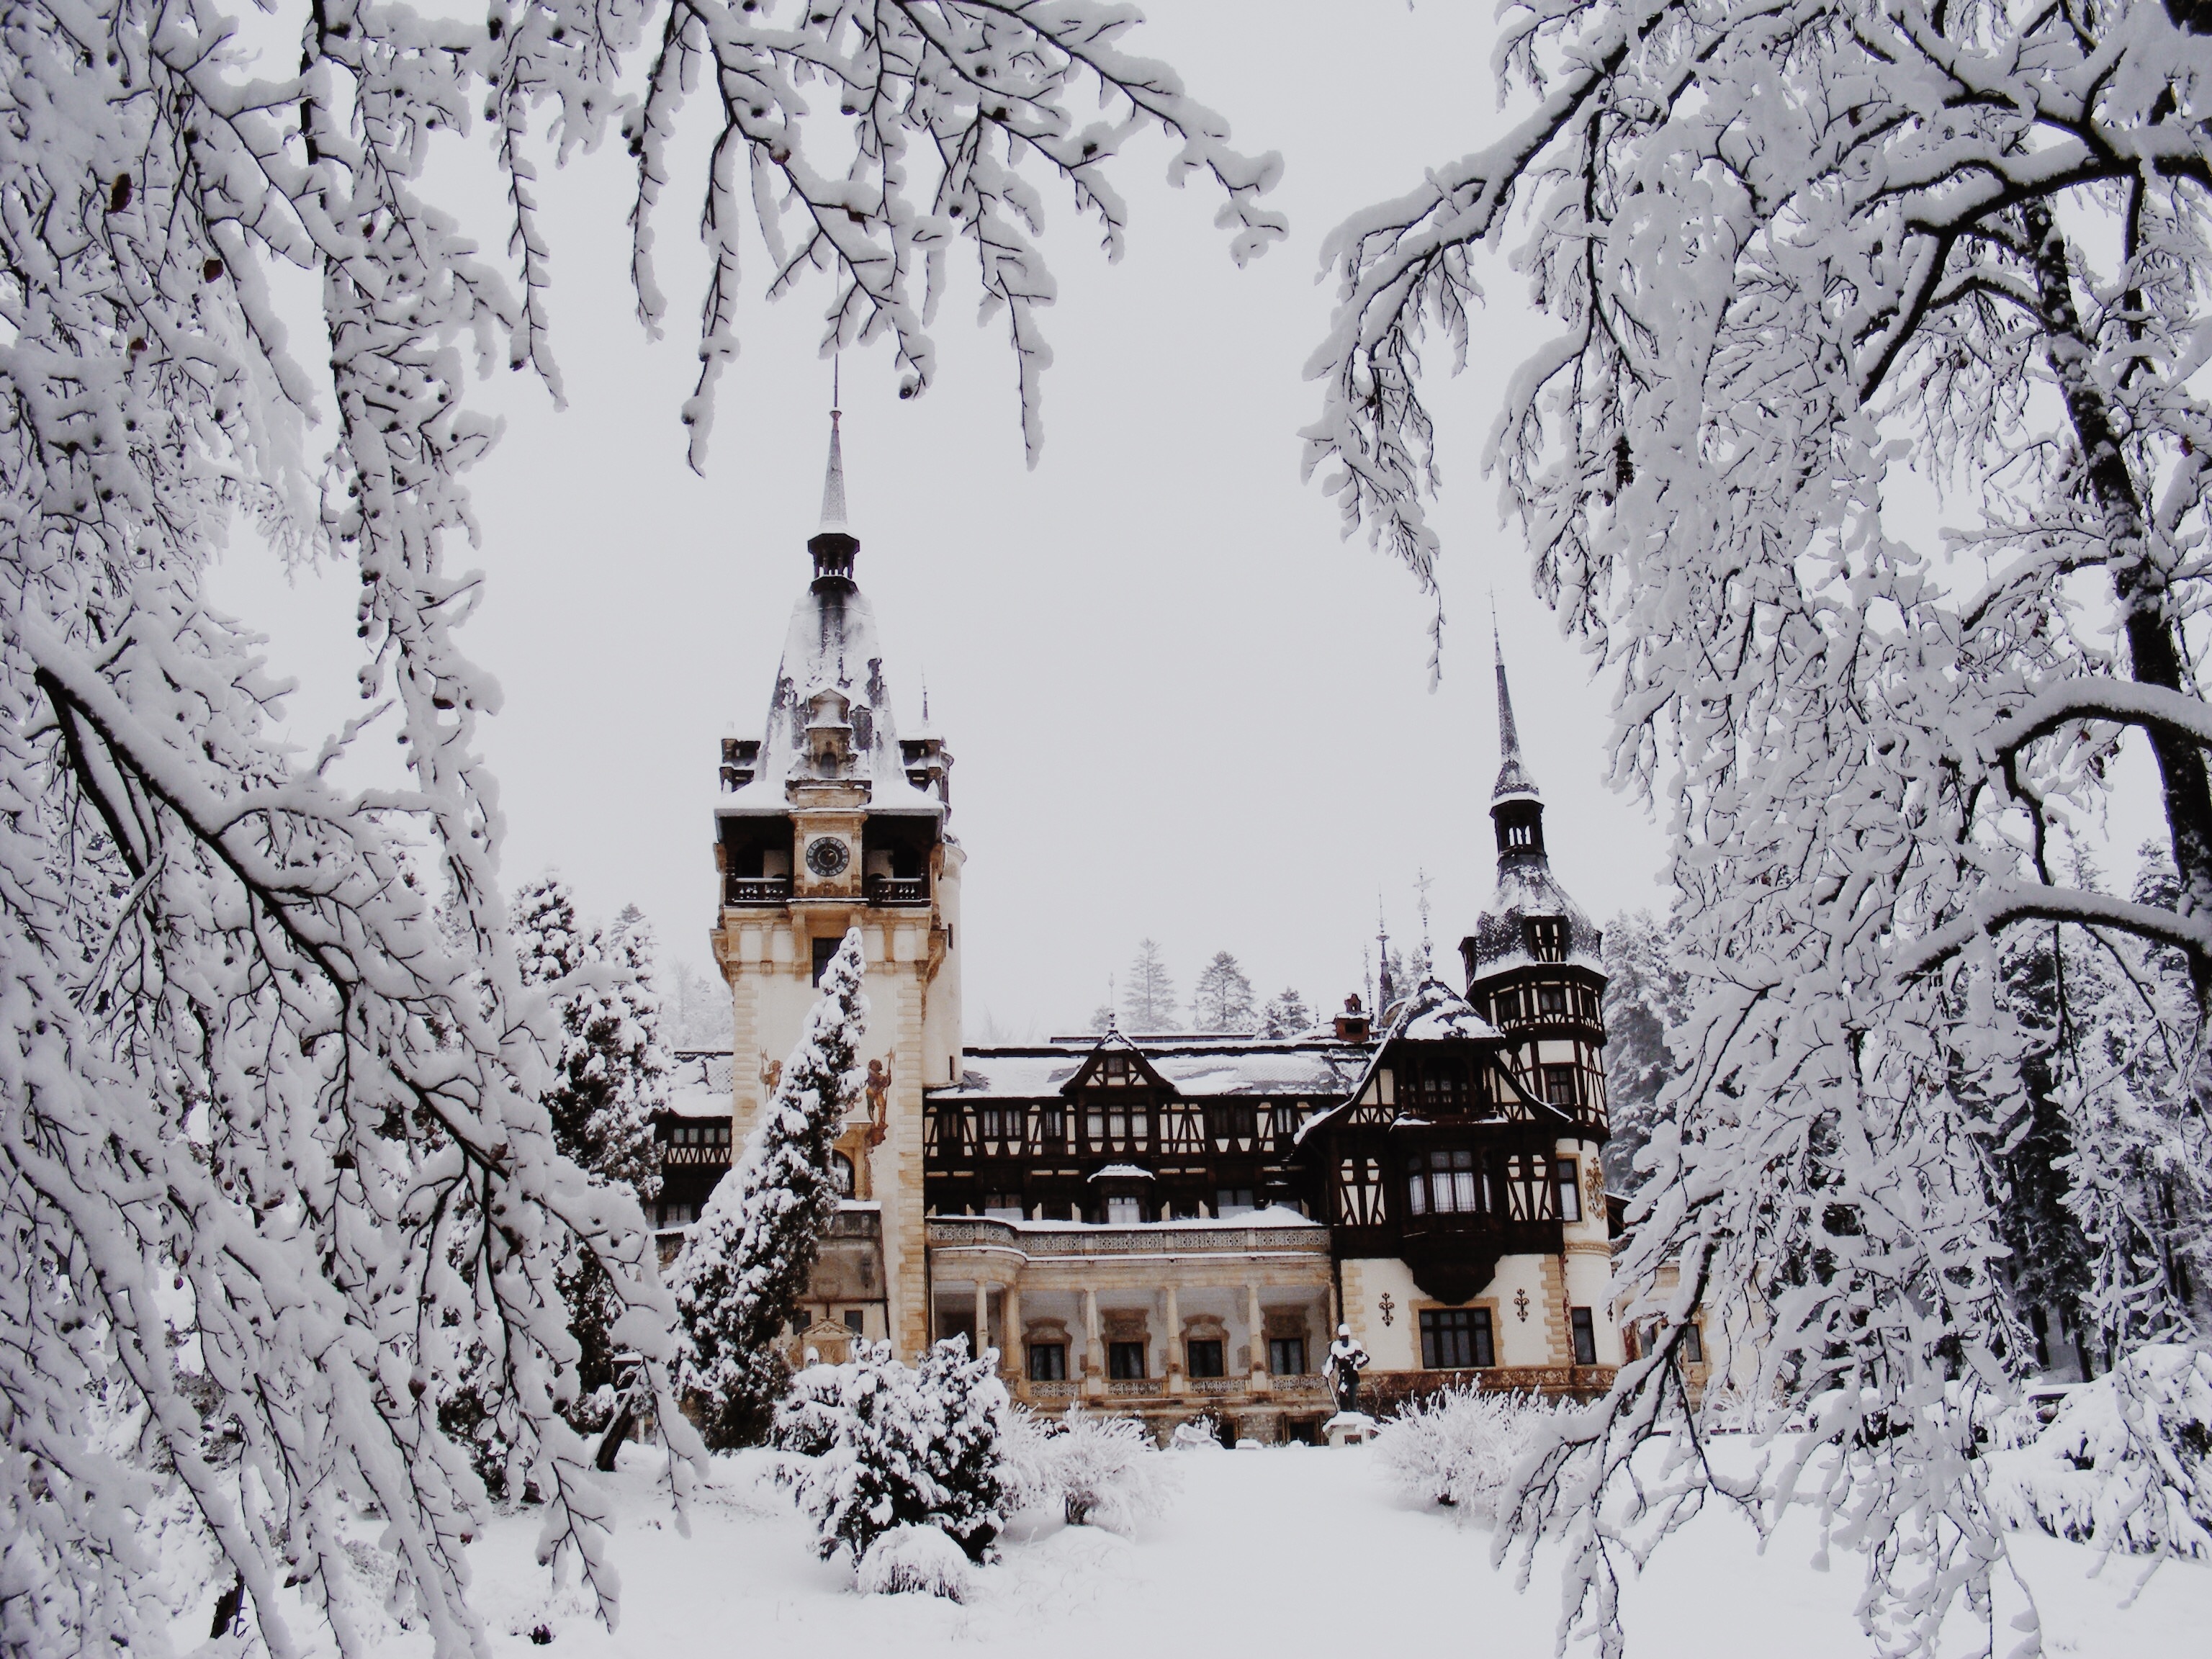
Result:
pixel 1530 918
pixel 833 546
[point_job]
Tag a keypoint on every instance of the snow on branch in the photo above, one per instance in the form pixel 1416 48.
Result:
pixel 1995 908
pixel 2124 702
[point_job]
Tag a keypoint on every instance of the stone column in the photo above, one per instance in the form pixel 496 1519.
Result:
pixel 1260 1379
pixel 1013 1358
pixel 982 1317
pixel 1094 1356
pixel 1171 1362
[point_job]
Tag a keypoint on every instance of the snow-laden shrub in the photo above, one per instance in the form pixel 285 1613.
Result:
pixel 915 1560
pixel 1457 1447
pixel 881 1445
pixel 2125 1465
pixel 1103 1472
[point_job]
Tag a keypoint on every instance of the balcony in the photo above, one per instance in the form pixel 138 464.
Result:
pixel 898 889
pixel 1081 1242
pixel 759 890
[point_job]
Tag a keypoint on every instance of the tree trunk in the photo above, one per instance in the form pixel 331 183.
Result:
pixel 2139 579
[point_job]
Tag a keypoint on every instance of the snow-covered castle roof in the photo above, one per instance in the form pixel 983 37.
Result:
pixel 829 718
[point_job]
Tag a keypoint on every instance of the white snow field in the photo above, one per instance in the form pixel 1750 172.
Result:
pixel 1294 1550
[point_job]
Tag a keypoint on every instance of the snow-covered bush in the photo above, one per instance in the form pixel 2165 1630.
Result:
pixel 746 1264
pixel 2126 1464
pixel 1100 1471
pixel 1457 1447
pixel 897 1447
pixel 915 1560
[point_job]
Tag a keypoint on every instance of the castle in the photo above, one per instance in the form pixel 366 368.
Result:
pixel 1168 1226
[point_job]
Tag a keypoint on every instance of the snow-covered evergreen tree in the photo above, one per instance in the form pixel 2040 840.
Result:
pixel 1286 1014
pixel 886 1445
pixel 1148 992
pixel 704 1017
pixel 747 1263
pixel 1102 1019
pixel 1221 998
pixel 1646 993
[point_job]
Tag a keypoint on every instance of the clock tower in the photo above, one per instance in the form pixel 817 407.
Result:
pixel 832 820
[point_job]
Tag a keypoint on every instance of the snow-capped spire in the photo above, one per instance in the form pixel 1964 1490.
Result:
pixel 1513 779
pixel 833 546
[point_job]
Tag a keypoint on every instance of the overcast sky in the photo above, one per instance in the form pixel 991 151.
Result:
pixel 1180 706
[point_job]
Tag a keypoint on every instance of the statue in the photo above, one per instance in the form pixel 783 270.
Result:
pixel 771 1074
pixel 879 1110
pixel 1347 1359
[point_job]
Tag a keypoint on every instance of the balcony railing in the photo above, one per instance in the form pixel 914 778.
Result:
pixel 898 889
pixel 760 889
pixel 1043 1243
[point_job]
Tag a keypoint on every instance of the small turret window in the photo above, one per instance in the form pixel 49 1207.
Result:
pixel 1547 938
pixel 1520 836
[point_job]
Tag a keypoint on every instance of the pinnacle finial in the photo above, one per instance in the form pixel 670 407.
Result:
pixel 833 482
pixel 1513 777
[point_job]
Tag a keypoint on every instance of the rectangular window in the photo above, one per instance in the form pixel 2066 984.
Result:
pixel 1003 1207
pixel 1047 1362
pixel 1232 1200
pixel 1051 1124
pixel 1094 1126
pixel 1585 1327
pixel 1125 1361
pixel 1694 1344
pixel 1124 1212
pixel 1456 1339
pixel 1566 1175
pixel 1286 1356
pixel 1552 1001
pixel 855 1320
pixel 1203 1355
pixel 825 949
pixel 1507 1008
pixel 1444 1180
pixel 1560 1086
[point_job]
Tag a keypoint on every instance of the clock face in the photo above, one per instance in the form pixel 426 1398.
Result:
pixel 827 856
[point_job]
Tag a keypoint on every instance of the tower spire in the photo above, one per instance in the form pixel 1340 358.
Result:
pixel 1513 777
pixel 832 545
pixel 1517 810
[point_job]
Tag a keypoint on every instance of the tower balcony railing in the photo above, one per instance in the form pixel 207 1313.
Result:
pixel 759 890
pixel 898 889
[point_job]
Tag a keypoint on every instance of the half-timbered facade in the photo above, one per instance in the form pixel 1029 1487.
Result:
pixel 1167 1225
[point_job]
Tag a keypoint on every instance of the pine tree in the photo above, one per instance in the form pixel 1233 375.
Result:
pixel 1102 1017
pixel 966 1411
pixel 609 1076
pixel 704 1018
pixel 1287 1014
pixel 1646 993
pixel 1148 999
pixel 746 1264
pixel 1222 1000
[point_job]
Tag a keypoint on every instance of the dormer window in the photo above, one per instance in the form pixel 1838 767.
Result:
pixel 1519 837
pixel 1547 938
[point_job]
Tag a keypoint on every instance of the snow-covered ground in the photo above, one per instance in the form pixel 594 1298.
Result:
pixel 1293 1550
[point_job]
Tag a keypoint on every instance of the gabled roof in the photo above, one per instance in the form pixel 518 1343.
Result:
pixel 1113 1042
pixel 1434 1013
pixel 1268 1068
